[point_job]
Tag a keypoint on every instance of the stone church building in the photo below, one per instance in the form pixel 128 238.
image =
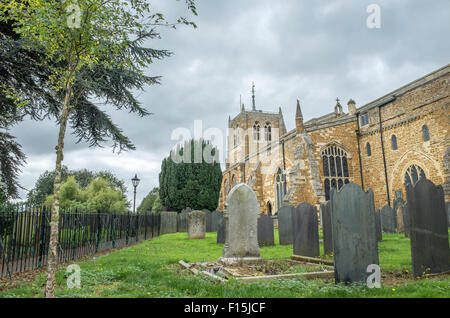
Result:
pixel 383 145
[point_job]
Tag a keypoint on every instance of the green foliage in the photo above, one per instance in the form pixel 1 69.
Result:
pixel 44 185
pixel 191 184
pixel 99 195
pixel 148 202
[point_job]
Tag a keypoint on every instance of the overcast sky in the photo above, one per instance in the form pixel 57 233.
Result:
pixel 311 50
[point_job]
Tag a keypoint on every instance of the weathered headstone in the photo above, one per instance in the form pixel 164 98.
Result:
pixel 221 231
pixel 241 217
pixel 354 237
pixel 265 230
pixel 305 230
pixel 182 221
pixel 406 219
pixel 208 220
pixel 325 210
pixel 388 219
pixel 188 209
pixel 447 206
pixel 378 230
pixel 196 225
pixel 216 216
pixel 399 215
pixel 285 224
pixel 428 228
pixel 398 200
pixel 168 222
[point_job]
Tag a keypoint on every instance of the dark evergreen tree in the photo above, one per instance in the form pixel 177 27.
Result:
pixel 187 183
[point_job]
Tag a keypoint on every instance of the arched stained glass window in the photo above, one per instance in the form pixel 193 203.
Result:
pixel 413 174
pixel 335 168
pixel 281 187
pixel 268 132
pixel 256 130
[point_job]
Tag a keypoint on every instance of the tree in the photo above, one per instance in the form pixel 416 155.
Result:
pixel 108 35
pixel 190 184
pixel 148 202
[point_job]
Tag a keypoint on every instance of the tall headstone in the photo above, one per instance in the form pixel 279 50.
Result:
pixel 378 230
pixel 305 230
pixel 406 219
pixel 399 216
pixel 216 216
pixel 388 219
pixel 429 231
pixel 398 200
pixel 196 225
pixel 241 217
pixel 354 238
pixel 285 224
pixel 265 230
pixel 168 222
pixel 447 207
pixel 221 231
pixel 208 217
pixel 325 209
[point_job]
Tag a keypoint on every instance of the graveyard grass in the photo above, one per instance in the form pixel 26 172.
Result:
pixel 150 269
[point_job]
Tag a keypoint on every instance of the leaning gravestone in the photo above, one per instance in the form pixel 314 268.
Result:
pixel 378 230
pixel 406 219
pixel 216 216
pixel 325 209
pixel 208 217
pixel 241 217
pixel 428 228
pixel 168 222
pixel 265 230
pixel 354 237
pixel 196 225
pixel 399 221
pixel 305 230
pixel 285 224
pixel 388 219
pixel 182 222
pixel 221 231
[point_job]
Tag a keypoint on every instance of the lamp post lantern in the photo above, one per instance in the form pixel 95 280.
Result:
pixel 135 182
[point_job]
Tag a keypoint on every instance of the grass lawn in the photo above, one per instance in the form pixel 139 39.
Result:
pixel 150 269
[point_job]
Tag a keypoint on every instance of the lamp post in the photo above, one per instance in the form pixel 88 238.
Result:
pixel 135 182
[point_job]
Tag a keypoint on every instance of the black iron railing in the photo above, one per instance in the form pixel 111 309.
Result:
pixel 25 234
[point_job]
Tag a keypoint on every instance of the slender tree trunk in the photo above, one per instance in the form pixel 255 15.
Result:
pixel 54 223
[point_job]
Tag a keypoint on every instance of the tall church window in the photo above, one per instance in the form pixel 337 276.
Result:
pixel 256 131
pixel 413 174
pixel 394 142
pixel 268 132
pixel 368 150
pixel 233 181
pixel 364 119
pixel 281 187
pixel 335 168
pixel 227 187
pixel 425 133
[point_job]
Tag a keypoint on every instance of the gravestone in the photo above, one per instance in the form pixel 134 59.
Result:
pixel 216 216
pixel 388 219
pixel 447 206
pixel 399 221
pixel 406 219
pixel 398 200
pixel 196 225
pixel 428 228
pixel 221 231
pixel 168 222
pixel 305 230
pixel 241 217
pixel 325 210
pixel 186 210
pixel 354 238
pixel 285 224
pixel 182 222
pixel 265 230
pixel 378 230
pixel 208 217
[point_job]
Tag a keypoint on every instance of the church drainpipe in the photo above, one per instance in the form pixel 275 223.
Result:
pixel 382 146
pixel 359 151
pixel 284 161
